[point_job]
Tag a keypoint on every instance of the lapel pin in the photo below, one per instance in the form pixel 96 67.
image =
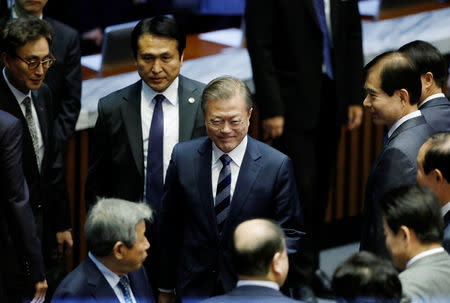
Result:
pixel 191 100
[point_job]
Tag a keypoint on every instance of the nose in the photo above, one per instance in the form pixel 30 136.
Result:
pixel 156 67
pixel 40 70
pixel 147 244
pixel 226 127
pixel 366 102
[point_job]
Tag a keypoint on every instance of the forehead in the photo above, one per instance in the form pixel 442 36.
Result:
pixel 151 42
pixel 373 77
pixel 37 48
pixel 233 106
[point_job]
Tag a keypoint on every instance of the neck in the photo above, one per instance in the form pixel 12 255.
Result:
pixel 432 91
pixel 111 263
pixel 23 13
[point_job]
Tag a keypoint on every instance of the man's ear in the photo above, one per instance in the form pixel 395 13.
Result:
pixel 404 96
pixel 118 250
pixel 406 234
pixel 276 263
pixel 428 79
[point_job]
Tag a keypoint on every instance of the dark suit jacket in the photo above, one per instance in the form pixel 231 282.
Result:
pixel 117 169
pixel 250 293
pixel 394 166
pixel 285 46
pixel 47 188
pixel 17 228
pixel 63 78
pixel 437 114
pixel 87 284
pixel 193 255
pixel 446 241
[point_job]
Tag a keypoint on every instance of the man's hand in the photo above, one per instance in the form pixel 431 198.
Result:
pixel 41 289
pixel 273 127
pixel 355 114
pixel 95 35
pixel 65 243
pixel 166 297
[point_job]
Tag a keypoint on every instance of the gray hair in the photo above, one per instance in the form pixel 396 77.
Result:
pixel 113 220
pixel 225 88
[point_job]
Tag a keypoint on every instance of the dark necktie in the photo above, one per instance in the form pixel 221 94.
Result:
pixel 326 50
pixel 222 205
pixel 125 288
pixel 32 129
pixel 386 138
pixel 154 179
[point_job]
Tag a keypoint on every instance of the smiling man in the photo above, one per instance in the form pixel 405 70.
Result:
pixel 213 184
pixel 393 90
pixel 25 52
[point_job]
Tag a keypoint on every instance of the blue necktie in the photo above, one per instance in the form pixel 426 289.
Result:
pixel 386 138
pixel 326 50
pixel 125 288
pixel 222 205
pixel 154 179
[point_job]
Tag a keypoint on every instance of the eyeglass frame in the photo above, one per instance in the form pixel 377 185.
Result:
pixel 50 58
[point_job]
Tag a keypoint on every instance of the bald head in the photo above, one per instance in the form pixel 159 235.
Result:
pixel 257 245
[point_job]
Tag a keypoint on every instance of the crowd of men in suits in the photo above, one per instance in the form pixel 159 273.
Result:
pixel 182 148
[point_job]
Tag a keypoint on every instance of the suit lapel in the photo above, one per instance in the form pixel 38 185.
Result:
pixel 131 115
pixel 99 287
pixel 310 6
pixel 187 110
pixel 203 164
pixel 247 176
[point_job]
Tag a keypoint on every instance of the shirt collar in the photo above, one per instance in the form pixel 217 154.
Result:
pixel 445 209
pixel 17 93
pixel 269 284
pixel 424 254
pixel 111 277
pixel 403 119
pixel 237 154
pixel 438 95
pixel 171 92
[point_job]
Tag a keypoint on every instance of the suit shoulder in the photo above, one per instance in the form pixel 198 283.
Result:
pixel 117 96
pixel 8 121
pixel 60 27
pixel 191 145
pixel 191 83
pixel 74 284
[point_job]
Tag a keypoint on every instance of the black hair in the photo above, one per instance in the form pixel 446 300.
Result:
pixel 160 26
pixel 415 207
pixel 364 275
pixel 427 59
pixel 438 155
pixel 19 31
pixel 397 71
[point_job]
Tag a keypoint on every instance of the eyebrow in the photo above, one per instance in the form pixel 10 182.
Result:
pixel 370 90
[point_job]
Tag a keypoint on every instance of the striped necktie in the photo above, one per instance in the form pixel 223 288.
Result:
pixel 222 205
pixel 125 288
pixel 32 129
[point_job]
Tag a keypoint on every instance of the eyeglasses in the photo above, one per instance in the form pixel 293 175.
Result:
pixel 220 124
pixel 33 63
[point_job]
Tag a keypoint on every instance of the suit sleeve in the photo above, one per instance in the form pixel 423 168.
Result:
pixel 99 172
pixel 171 225
pixel 259 17
pixel 288 210
pixel 17 205
pixel 70 104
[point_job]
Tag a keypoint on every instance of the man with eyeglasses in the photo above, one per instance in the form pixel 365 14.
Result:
pixel 213 184
pixel 26 56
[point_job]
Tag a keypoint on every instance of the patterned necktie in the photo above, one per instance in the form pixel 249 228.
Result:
pixel 222 205
pixel 155 166
pixel 125 288
pixel 32 129
pixel 326 50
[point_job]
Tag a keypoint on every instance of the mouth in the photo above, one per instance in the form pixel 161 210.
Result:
pixel 157 80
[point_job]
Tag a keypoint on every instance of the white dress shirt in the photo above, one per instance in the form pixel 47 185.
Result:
pixel 445 209
pixel 236 155
pixel 438 95
pixel 112 278
pixel 402 120
pixel 20 97
pixel 171 121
